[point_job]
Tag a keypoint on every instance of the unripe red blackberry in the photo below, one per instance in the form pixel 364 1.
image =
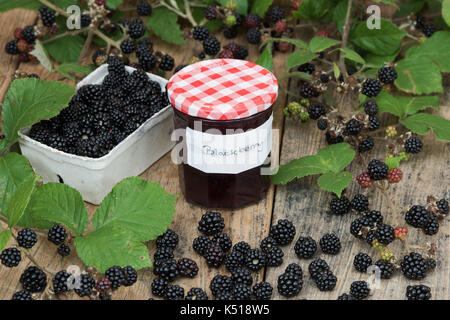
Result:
pixel 252 20
pixel 280 27
pixel 103 284
pixel 364 180
pixel 395 175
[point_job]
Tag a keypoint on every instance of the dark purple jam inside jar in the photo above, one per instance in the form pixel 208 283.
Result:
pixel 223 121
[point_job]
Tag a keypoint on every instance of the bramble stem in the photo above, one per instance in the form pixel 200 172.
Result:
pixel 345 32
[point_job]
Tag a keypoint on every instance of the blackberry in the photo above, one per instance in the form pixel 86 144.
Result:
pixel 241 276
pixel 136 29
pixel 187 267
pixel 371 88
pixel 374 123
pixel 92 92
pixel 308 91
pixel 359 290
pixel 28 34
pixel 262 291
pixel 442 206
pixel 332 138
pixel 346 296
pixel 377 170
pixel 103 285
pixel 289 285
pixel 200 244
pixel 428 30
pixel 385 234
pixel 413 145
pixel 353 127
pixel 159 287
pixel 127 46
pixel 220 284
pixel 305 247
pixel 60 282
pixel 340 205
pixel 370 237
pixel 87 283
pixel 10 257
pixel 210 13
pixel 48 16
pixel 130 276
pixel 432 226
pixel 418 292
pixel 223 240
pixel 255 260
pixel 431 264
pixel 116 66
pixel 85 20
pixel 196 294
pixel 386 268
pixel 174 292
pixel 330 243
pixel 11 47
pixel 63 250
pixel 252 20
pixel 242 246
pixel 211 223
pixel 387 75
pixel 420 22
pixel 230 33
pixel 316 111
pixel 242 292
pixel 414 267
pixel 417 216
pixel 168 239
pixel 308 68
pixel 226 296
pixel 366 145
pixel 242 54
pixel 253 36
pixel 374 216
pixel 362 261
pixel 26 238
pixel 214 255
pixel 144 9
pixel 211 46
pixel 322 124
pixel 360 203
pixel 267 243
pixel 326 281
pixel 324 78
pixel 167 270
pixel 317 267
pixel 200 33
pixel 234 260
pixel 283 232
pixel 371 107
pixel 274 257
pixel 276 14
pixel 294 269
pixel 116 275
pixel 167 63
pixel 23 295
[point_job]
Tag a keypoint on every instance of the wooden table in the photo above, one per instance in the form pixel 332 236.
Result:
pixel 301 201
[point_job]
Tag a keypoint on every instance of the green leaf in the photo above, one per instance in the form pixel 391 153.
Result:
pixel 313 9
pixel 389 103
pixel 299 57
pixel 67 69
pixel 141 207
pixel 260 7
pixel 446 11
pixel 339 13
pixel 111 246
pixel 265 59
pixel 114 3
pixel 5 235
pixel 57 202
pixel 421 123
pixel 336 71
pixel 214 25
pixel 335 182
pixel 66 49
pixel 6 5
pixel 383 41
pixel 412 105
pixel 31 100
pixel 164 24
pixel 418 75
pixel 391 2
pixel 42 55
pixel 318 44
pixel 242 7
pixel 298 75
pixel 20 200
pixel 14 170
pixel 393 162
pixel 352 55
pixel 333 158
pixel 376 61
pixel 435 48
pixel 409 7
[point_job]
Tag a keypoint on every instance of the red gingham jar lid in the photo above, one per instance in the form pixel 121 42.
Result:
pixel 222 89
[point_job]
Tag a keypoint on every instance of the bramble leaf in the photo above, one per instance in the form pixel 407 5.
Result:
pixel 335 182
pixel 299 57
pixel 421 123
pixel 164 24
pixel 5 235
pixel 20 200
pixel 265 59
pixel 418 75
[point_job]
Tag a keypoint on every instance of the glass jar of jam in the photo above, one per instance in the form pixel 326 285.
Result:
pixel 223 125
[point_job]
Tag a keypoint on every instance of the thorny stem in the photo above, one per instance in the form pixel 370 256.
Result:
pixel 345 33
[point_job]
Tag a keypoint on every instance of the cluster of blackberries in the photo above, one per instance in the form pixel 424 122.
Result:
pixel 372 87
pixel 419 217
pixel 378 170
pixel 100 116
pixel 371 228
pixel 22 44
pixel 322 275
pixel 363 261
pixel 415 267
pixel 427 29
pixel 418 292
pixel 358 291
pixel 290 283
pixel 57 235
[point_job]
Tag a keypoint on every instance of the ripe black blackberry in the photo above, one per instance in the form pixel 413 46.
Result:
pixel 359 290
pixel 385 234
pixel 91 93
pixel 220 284
pixel 308 68
pixel 196 294
pixel 417 216
pixel 283 232
pixel 413 145
pixel 371 107
pixel 159 287
pixel 308 91
pixel 255 260
pixel 377 169
pixel 374 123
pixel 87 283
pixel 48 16
pixel 253 36
pixel 267 244
pixel 387 75
pixel 428 30
pixel 211 46
pixel 324 78
pixel 116 275
pixel 61 281
pixel 225 296
pixel 315 111
pixel 289 284
pixel 241 276
pixel 23 295
pixel 85 20
pixel 26 238
pixel 374 216
pixel 167 63
pixel 242 53
pixel 330 243
pixel 420 22
pixel 262 291
pixel 326 281
pixel 276 14
pixel 230 33
pixel 418 292
pixel 163 254
pixel 234 260
pixel 167 270
pixel 274 257
pixel 11 47
pixel 442 206
pixel 214 255
pixel 200 244
pixel 371 88
pixel 136 29
pixel 340 205
pixel 346 296
pixel 242 292
pixel 370 237
pixel 362 261
pixel 174 292
pixel 242 246
pixel 33 279
pixel 168 239
pixel 366 145
pixel 187 267
pixel 294 269
pixel 210 13
pixel 211 223
pixel 144 8
pixel 317 267
pixel 305 247
pixel 360 203
pixel 322 124
pixel 28 34
pixel 386 268
pixel 223 240
pixel 414 266
pixel 431 264
pixel 127 46
pixel 432 226
pixel 11 257
pixel 130 276
pixel 200 33
pixel 63 250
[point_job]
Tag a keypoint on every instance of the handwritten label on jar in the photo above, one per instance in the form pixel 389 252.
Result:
pixel 232 153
